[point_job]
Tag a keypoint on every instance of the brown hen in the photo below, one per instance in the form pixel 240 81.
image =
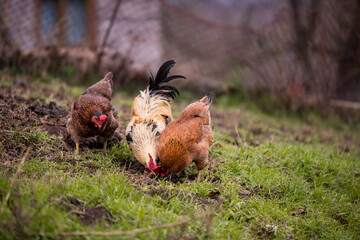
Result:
pixel 92 113
pixel 187 139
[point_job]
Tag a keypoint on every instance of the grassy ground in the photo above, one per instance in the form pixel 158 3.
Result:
pixel 270 176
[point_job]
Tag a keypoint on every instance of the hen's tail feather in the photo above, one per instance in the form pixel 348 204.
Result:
pixel 109 76
pixel 160 84
pixel 207 100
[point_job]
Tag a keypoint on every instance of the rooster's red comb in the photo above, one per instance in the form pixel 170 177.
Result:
pixel 152 164
pixel 158 170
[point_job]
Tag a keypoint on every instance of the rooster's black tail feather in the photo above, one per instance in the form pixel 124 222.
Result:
pixel 160 84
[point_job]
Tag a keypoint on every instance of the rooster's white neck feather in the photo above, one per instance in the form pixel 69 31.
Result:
pixel 147 109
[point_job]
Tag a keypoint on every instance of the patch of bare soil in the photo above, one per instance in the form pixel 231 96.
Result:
pixel 180 177
pixel 90 143
pixel 20 114
pixel 130 167
pixel 247 193
pixel 341 219
pixel 300 211
pixel 15 115
pixel 134 167
pixel 50 110
pixel 167 195
pixel 88 215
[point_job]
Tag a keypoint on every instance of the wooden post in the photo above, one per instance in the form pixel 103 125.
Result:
pixel 90 20
pixel 62 14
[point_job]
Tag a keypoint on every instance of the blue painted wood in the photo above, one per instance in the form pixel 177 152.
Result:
pixel 76 22
pixel 48 11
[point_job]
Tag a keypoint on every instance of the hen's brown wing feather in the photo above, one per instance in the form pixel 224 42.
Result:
pixel 174 155
pixel 82 113
pixel 177 144
pixel 85 104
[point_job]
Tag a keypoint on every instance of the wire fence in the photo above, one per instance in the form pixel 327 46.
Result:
pixel 302 52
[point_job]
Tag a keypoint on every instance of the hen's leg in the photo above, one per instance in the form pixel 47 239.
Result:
pixel 73 134
pixel 105 145
pixel 200 172
pixel 201 159
pixel 77 148
pixel 202 150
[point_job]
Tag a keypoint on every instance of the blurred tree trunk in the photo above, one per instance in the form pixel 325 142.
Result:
pixel 7 46
pixel 349 59
pixel 304 33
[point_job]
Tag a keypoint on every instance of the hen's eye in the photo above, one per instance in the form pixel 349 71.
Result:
pixel 196 115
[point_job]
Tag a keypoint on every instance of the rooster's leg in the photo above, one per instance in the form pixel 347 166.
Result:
pixel 77 148
pixel 105 145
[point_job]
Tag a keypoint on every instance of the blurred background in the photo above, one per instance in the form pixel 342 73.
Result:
pixel 297 53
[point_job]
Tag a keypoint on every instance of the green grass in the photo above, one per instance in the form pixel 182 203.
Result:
pixel 263 169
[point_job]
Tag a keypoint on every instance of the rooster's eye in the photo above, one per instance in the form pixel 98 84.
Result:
pixel 196 115
pixel 129 138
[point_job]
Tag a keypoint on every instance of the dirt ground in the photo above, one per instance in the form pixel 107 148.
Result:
pixel 23 114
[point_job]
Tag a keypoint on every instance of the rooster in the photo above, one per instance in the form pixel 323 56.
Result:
pixel 150 113
pixel 92 113
pixel 186 140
